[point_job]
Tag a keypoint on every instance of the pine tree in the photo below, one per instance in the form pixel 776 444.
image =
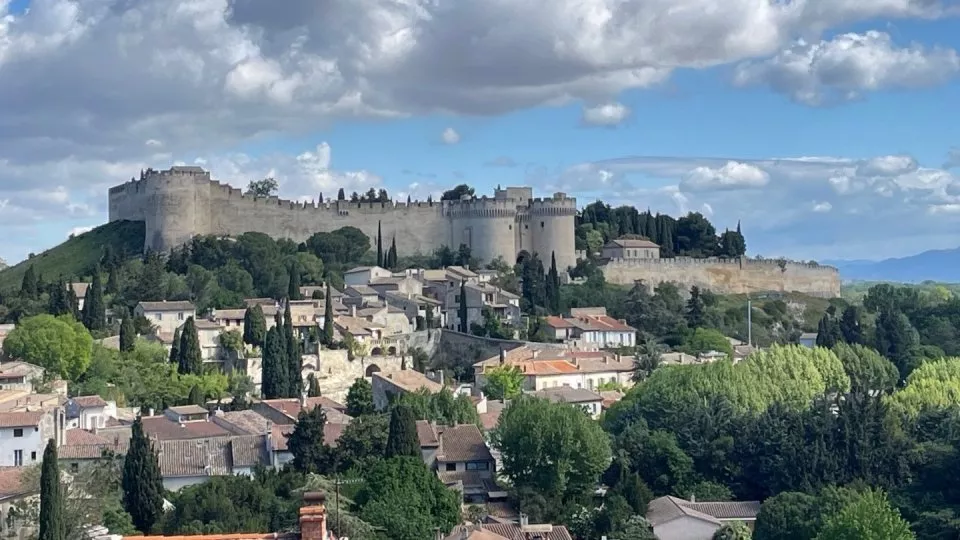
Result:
pixel 94 312
pixel 254 326
pixel 141 482
pixel 51 498
pixel 274 364
pixel 293 288
pixel 462 309
pixel 314 386
pixel 294 359
pixel 196 396
pixel 402 439
pixel 28 286
pixel 379 245
pixel 191 359
pixel 175 347
pixel 328 319
pixel 695 308
pixel 128 334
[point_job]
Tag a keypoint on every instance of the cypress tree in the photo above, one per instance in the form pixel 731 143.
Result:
pixel 274 365
pixel 328 319
pixel 190 360
pixel 175 347
pixel 695 308
pixel 850 325
pixel 553 284
pixel 294 360
pixel 94 312
pixel 51 498
pixel 73 303
pixel 128 334
pixel 462 309
pixel 58 304
pixel 321 197
pixel 313 389
pixel 341 196
pixel 28 286
pixel 402 439
pixel 254 326
pixel 113 280
pixel 379 245
pixel 196 396
pixel 293 287
pixel 141 482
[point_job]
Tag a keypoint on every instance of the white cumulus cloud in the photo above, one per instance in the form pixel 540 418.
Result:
pixel 605 114
pixel 733 175
pixel 450 136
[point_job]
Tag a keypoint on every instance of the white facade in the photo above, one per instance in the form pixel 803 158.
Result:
pixel 685 528
pixel 166 317
pixel 21 446
pixel 364 274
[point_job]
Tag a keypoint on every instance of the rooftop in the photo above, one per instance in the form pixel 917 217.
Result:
pixel 409 380
pixel 566 394
pixel 188 410
pixel 20 419
pixel 11 483
pixel 167 306
pixel 631 243
pixel 464 442
pixel 536 361
pixel 665 509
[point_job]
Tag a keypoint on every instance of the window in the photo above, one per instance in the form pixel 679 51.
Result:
pixel 18 432
pixel 478 466
pixel 452 466
pixel 159 316
pixel 541 224
pixel 74 468
pixel 18 458
pixel 180 316
pixel 33 456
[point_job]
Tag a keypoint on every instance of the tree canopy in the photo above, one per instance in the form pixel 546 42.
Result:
pixel 60 345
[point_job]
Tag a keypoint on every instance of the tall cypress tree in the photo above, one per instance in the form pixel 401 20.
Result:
pixel 402 439
pixel 28 286
pixel 58 304
pixel 254 326
pixel 94 312
pixel 175 347
pixel 379 245
pixel 695 308
pixel 294 360
pixel 274 364
pixel 313 388
pixel 293 288
pixel 553 285
pixel 191 359
pixel 141 482
pixel 113 280
pixel 328 319
pixel 73 302
pixel 128 334
pixel 341 196
pixel 51 498
pixel 462 309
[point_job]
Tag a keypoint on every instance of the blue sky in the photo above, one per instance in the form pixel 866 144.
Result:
pixel 605 105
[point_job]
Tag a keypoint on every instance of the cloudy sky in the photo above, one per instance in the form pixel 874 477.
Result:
pixel 828 127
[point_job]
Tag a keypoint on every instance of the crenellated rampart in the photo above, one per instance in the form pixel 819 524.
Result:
pixel 729 276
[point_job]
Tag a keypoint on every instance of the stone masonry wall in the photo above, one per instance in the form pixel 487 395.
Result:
pixel 729 276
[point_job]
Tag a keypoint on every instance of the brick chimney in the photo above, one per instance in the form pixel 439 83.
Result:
pixel 313 517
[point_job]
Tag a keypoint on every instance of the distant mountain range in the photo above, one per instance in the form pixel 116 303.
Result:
pixel 937 265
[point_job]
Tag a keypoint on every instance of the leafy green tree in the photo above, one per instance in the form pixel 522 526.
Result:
pixel 128 335
pixel 656 457
pixel 503 382
pixel 190 360
pixel 310 452
pixel 51 499
pixel 704 340
pixel 868 516
pixel 635 528
pixel 262 188
pixel 402 496
pixel 254 326
pixel 327 337
pixel 828 331
pixel 695 309
pixel 636 492
pixel 456 193
pixel 28 285
pixel 788 516
pixel 462 309
pixel 732 531
pixel 275 378
pixel 363 442
pixel 402 439
pixel 868 371
pixel 550 447
pixel 142 483
pixel 196 396
pixel 61 345
pixel 360 398
pixel 175 347
pixel 850 325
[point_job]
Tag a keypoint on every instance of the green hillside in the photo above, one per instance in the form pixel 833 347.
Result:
pixel 77 256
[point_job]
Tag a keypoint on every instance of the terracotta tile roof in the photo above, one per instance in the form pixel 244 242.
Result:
pixel 279 434
pixel 546 367
pixel 188 410
pixel 249 451
pixel 409 380
pixel 20 419
pixel 206 324
pixel 336 412
pixel 78 436
pixel 426 434
pixel 727 509
pixel 558 322
pixel 86 402
pixel 512 531
pixel 235 536
pixel 211 457
pixel 167 306
pixel 610 397
pixel 115 444
pixel 566 394
pixel 163 428
pixel 464 532
pixel 490 418
pixel 11 482
pixel 665 509
pixel 229 314
pixel 243 422
pixel 462 443
pixel 631 243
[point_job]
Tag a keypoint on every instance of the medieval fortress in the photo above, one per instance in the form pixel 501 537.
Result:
pixel 183 202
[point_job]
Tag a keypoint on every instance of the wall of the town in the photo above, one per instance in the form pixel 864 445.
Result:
pixel 729 276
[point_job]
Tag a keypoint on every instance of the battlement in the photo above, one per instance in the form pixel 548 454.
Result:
pixel 482 207
pixel 714 261
pixel 558 205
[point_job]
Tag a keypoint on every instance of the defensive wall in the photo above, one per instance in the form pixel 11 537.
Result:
pixel 183 202
pixel 729 276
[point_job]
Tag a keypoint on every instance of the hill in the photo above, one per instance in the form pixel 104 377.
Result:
pixel 78 255
pixel 937 265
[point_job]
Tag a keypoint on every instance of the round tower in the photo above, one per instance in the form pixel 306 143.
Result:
pixel 552 229
pixel 486 226
pixel 176 206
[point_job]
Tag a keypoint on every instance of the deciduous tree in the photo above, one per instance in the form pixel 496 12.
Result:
pixel 503 382
pixel 61 345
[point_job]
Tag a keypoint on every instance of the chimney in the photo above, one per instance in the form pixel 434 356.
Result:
pixel 313 517
pixel 524 520
pixel 693 498
pixel 536 353
pixel 503 355
pixel 303 399
pixel 150 411
pixel 353 310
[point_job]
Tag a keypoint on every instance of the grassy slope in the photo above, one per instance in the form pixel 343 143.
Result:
pixel 77 256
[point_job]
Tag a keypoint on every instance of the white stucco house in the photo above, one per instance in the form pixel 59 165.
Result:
pixel 673 518
pixel 165 316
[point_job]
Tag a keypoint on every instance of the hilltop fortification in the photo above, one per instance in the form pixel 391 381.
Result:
pixel 182 202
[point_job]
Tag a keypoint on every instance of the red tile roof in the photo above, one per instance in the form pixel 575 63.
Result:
pixel 83 437
pixel 11 482
pixel 163 428
pixel 20 419
pixel 279 434
pixel 90 401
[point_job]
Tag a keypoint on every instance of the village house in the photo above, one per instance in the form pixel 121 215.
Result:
pixel 587 400
pixel 14 490
pixel 673 518
pixel 592 327
pixel 24 435
pixel 481 297
pixel 229 319
pixel 89 412
pixel 392 385
pixel 462 460
pixel 19 375
pixel 165 316
pixel 551 368
pixel 497 530
pixel 630 248
pixel 363 275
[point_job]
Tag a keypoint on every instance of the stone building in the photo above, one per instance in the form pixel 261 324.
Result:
pixel 182 202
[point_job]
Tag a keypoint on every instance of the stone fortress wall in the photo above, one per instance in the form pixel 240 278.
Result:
pixel 729 276
pixel 183 202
